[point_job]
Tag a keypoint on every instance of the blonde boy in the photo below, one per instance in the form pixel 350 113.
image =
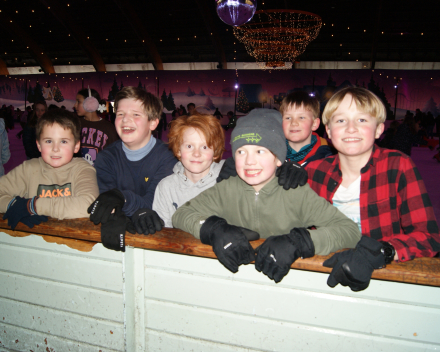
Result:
pixel 300 119
pixel 380 189
pixel 129 169
pixel 235 210
pixel 56 184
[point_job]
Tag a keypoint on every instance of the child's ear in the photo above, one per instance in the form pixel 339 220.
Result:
pixel 38 145
pixel 77 146
pixel 153 124
pixel 315 124
pixel 279 163
pixel 379 130
pixel 327 129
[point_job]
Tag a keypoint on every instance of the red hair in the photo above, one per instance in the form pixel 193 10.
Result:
pixel 208 125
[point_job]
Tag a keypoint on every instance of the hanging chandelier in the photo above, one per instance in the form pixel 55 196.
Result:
pixel 276 37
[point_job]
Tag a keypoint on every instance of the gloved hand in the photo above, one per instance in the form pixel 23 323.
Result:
pixel 101 209
pixel 228 170
pixel 229 243
pixel 147 221
pixel 113 231
pixel 291 175
pixel 32 220
pixel 278 253
pixel 22 209
pixel 354 267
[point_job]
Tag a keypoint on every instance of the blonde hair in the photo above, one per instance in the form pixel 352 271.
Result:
pixel 365 100
pixel 152 105
pixel 208 125
pixel 296 99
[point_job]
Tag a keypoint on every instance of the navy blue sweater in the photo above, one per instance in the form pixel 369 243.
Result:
pixel 137 180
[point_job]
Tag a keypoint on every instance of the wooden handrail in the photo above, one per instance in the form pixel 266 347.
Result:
pixel 422 271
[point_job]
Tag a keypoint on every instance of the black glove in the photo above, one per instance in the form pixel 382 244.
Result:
pixel 229 243
pixel 277 253
pixel 147 221
pixel 228 170
pixel 113 231
pixel 101 209
pixel 32 220
pixel 291 175
pixel 354 267
pixel 22 209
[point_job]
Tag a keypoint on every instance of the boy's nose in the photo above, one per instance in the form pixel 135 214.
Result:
pixel 250 159
pixel 351 126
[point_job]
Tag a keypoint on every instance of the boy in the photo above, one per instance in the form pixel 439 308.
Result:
pixel 129 169
pixel 255 201
pixel 56 184
pixel 300 119
pixel 380 189
pixel 198 141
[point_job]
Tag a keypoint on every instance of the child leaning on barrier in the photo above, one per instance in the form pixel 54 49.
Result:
pixel 198 142
pixel 380 189
pixel 129 170
pixel 56 184
pixel 240 208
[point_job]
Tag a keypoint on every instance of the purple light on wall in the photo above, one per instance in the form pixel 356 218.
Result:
pixel 236 12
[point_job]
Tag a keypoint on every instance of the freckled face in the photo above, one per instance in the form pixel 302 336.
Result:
pixel 256 165
pixel 195 154
pixel 352 131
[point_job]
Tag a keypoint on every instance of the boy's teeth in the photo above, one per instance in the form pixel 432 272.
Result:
pixel 351 139
pixel 252 172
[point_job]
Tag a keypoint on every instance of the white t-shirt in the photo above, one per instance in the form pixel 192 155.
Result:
pixel 347 201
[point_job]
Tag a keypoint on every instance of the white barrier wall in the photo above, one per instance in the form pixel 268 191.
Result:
pixel 73 300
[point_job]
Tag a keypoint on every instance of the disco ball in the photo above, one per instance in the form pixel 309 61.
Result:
pixel 236 12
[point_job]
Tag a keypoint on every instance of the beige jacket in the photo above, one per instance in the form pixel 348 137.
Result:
pixel 65 192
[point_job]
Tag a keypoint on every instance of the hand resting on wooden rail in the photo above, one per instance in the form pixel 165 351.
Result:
pixel 423 271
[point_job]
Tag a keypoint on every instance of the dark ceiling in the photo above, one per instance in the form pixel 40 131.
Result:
pixel 98 32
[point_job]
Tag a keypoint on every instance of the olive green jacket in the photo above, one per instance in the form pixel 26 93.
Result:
pixel 272 211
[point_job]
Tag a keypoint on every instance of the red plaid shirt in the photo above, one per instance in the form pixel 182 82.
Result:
pixel 394 204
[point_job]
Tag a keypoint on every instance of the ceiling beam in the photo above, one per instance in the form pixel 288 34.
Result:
pixel 141 32
pixel 212 31
pixel 20 34
pixel 3 68
pixel 57 9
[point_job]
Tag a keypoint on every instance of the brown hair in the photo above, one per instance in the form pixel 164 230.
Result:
pixel 33 118
pixel 64 118
pixel 153 106
pixel 296 99
pixel 365 100
pixel 208 125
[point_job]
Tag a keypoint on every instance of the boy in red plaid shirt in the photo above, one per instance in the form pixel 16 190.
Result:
pixel 380 189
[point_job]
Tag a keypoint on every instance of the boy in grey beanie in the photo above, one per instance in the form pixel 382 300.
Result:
pixel 243 208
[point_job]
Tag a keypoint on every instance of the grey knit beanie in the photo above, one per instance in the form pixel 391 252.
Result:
pixel 260 127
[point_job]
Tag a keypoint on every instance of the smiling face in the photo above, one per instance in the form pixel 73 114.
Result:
pixel 353 131
pixel 298 124
pixel 132 124
pixel 195 154
pixel 57 145
pixel 255 165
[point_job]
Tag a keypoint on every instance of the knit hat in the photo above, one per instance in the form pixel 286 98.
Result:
pixel 260 127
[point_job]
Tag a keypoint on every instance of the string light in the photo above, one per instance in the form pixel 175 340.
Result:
pixel 276 36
